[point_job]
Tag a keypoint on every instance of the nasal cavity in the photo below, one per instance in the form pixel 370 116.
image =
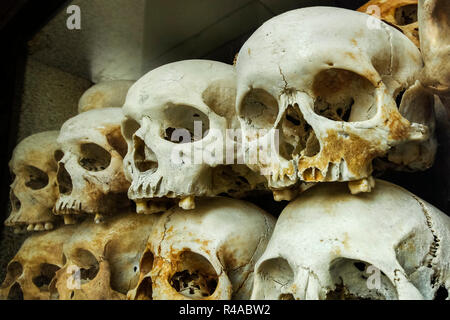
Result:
pixel 15 202
pixel 144 158
pixel 64 180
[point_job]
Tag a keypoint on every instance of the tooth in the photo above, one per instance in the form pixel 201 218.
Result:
pixel 17 230
pixel 48 226
pixel 287 194
pixel 99 218
pixel 38 227
pixel 363 185
pixel 187 203
pixel 30 227
pixel 141 207
pixel 69 219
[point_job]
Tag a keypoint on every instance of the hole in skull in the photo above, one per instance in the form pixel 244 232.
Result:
pixel 15 293
pixel 277 276
pixel 296 133
pixel 64 180
pixel 195 278
pixel 144 291
pixel 58 155
pixel 358 280
pixel 342 95
pixel 399 98
pixel 144 158
pixel 146 262
pixel 406 15
pixel 259 109
pixel 36 178
pixel 441 293
pixel 47 273
pixel 15 202
pixel 184 124
pixel 88 264
pixel 94 157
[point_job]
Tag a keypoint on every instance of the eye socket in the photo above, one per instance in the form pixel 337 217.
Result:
pixel 343 95
pixel 277 276
pixel 195 277
pixel 36 178
pixel 14 270
pixel 88 264
pixel 184 124
pixel 46 274
pixel 406 15
pixel 259 109
pixel 58 155
pixel 358 280
pixel 94 157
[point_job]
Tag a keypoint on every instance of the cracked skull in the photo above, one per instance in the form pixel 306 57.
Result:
pixel 329 244
pixel 401 14
pixel 30 272
pixel 34 192
pixel 325 94
pixel 176 124
pixel 103 259
pixel 90 171
pixel 208 254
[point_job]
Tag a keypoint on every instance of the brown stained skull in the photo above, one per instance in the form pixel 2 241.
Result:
pixel 90 174
pixel 208 254
pixel 401 14
pixel 30 272
pixel 329 98
pixel 33 191
pixel 103 259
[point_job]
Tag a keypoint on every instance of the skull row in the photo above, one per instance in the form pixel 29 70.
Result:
pixel 169 256
pixel 327 244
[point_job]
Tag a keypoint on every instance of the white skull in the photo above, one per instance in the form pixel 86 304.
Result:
pixel 434 28
pixel 328 244
pixel 90 174
pixel 207 254
pixel 400 13
pixel 167 102
pixel 106 94
pixel 103 259
pixel 30 272
pixel 33 191
pixel 327 83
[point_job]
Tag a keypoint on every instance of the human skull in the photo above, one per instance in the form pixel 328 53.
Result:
pixel 328 244
pixel 103 259
pixel 33 191
pixel 208 254
pixel 90 173
pixel 30 272
pixel 400 13
pixel 434 28
pixel 328 91
pixel 176 124
pixel 106 94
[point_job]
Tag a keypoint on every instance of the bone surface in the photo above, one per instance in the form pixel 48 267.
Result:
pixel 328 90
pixel 176 121
pixel 106 94
pixel 329 244
pixel 206 254
pixel 34 192
pixel 90 172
